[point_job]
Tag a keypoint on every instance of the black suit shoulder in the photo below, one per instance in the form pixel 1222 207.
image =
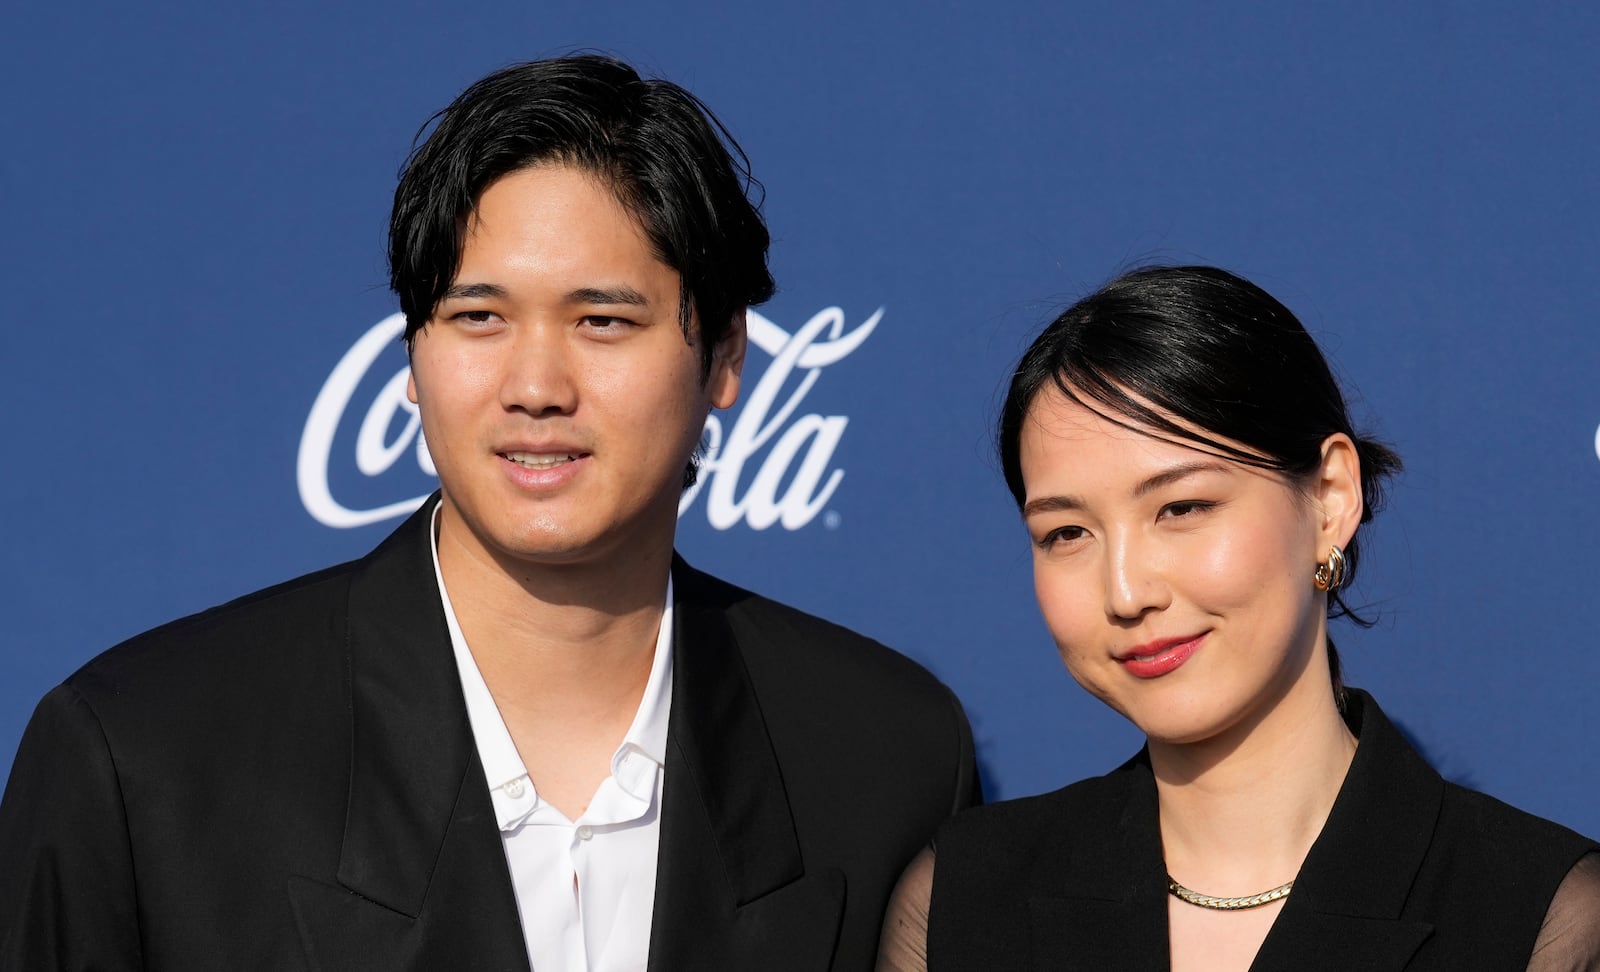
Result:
pixel 221 697
pixel 842 693
pixel 778 633
pixel 271 628
pixel 201 700
pixel 1021 845
pixel 213 766
pixel 1093 799
pixel 1471 815
pixel 1481 842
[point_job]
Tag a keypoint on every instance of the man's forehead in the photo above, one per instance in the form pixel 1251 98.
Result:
pixel 608 186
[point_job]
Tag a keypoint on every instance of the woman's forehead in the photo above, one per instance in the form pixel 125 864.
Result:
pixel 1070 445
pixel 1071 414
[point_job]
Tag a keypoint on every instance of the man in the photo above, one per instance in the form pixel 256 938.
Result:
pixel 519 733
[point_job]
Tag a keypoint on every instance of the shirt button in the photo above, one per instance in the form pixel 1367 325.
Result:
pixel 585 832
pixel 514 789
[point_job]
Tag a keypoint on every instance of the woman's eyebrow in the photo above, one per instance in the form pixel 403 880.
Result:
pixel 1051 504
pixel 1166 477
pixel 1181 471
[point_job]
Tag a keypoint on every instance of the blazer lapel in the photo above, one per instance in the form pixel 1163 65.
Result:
pixel 1348 901
pixel 1098 912
pixel 422 875
pixel 732 891
pixel 1347 908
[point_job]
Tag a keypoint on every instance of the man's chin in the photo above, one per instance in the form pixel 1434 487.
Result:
pixel 576 549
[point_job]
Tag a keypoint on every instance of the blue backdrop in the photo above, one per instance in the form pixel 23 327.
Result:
pixel 195 197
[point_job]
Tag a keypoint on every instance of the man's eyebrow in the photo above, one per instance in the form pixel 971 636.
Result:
pixel 474 291
pixel 620 294
pixel 1166 477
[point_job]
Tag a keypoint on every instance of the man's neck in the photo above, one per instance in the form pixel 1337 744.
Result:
pixel 559 629
pixel 564 649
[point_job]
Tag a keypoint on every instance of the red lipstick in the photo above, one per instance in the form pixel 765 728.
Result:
pixel 1158 658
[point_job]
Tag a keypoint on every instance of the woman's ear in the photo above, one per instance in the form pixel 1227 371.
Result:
pixel 1337 491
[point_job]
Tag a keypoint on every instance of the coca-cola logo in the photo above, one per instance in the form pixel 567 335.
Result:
pixel 773 464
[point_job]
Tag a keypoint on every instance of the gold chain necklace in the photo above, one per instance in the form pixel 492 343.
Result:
pixel 1228 904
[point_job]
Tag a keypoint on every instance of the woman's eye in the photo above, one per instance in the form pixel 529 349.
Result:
pixel 1065 534
pixel 1186 508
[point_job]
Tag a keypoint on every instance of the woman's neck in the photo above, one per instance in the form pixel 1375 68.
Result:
pixel 1239 812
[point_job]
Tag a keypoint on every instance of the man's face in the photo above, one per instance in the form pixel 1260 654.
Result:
pixel 559 397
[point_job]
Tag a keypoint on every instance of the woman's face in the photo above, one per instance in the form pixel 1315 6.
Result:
pixel 1178 584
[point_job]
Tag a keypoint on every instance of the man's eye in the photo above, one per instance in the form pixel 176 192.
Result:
pixel 606 323
pixel 473 316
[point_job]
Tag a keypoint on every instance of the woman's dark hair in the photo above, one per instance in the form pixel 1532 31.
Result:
pixel 1213 351
pixel 669 160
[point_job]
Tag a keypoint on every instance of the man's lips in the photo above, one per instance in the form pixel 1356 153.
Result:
pixel 543 458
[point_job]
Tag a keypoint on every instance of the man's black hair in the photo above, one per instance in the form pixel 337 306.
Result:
pixel 670 162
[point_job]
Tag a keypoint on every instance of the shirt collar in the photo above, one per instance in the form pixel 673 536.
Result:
pixel 509 785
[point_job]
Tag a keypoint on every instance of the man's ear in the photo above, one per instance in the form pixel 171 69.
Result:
pixel 411 375
pixel 1337 490
pixel 727 361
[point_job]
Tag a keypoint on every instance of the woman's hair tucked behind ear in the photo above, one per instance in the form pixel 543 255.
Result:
pixel 1216 353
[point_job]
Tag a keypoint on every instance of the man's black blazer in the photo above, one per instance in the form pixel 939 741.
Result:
pixel 289 781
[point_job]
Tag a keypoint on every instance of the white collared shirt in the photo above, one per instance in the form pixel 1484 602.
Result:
pixel 585 888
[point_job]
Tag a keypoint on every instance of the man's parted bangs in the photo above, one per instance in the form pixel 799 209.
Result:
pixel 669 160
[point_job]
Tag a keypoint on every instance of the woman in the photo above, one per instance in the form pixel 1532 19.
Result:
pixel 1193 491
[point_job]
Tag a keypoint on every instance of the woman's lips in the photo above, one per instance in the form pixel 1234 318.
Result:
pixel 1161 657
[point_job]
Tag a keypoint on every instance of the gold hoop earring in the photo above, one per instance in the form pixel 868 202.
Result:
pixel 1330 576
